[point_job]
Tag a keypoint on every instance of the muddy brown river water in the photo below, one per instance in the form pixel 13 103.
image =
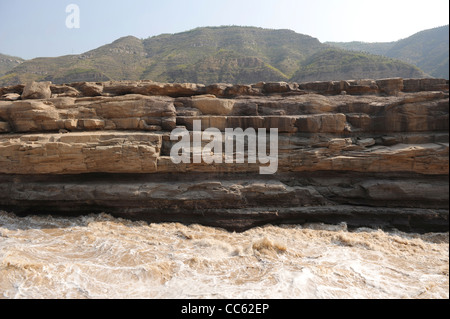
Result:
pixel 98 256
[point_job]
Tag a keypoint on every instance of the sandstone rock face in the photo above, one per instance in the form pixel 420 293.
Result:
pixel 132 112
pixel 390 86
pixel 76 153
pixel 368 152
pixel 212 106
pixel 89 89
pixel 37 90
pixel 11 97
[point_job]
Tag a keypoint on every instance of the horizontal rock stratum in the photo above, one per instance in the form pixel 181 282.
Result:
pixel 366 152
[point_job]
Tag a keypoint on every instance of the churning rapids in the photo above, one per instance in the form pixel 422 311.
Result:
pixel 99 256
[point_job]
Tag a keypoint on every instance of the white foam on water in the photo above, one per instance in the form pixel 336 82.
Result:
pixel 99 256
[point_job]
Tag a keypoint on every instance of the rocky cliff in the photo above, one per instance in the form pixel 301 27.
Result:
pixel 367 152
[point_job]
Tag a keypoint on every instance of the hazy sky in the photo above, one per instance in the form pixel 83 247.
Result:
pixel 31 28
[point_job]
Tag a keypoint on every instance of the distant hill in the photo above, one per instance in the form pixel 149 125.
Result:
pixel 336 64
pixel 428 50
pixel 7 63
pixel 212 55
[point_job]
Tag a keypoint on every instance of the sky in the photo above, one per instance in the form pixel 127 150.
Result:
pixel 31 28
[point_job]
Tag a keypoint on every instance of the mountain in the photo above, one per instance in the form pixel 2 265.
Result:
pixel 428 50
pixel 228 54
pixel 211 55
pixel 7 63
pixel 337 64
pixel 118 60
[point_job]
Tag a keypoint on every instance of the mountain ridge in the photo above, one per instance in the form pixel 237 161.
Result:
pixel 8 62
pixel 427 49
pixel 227 54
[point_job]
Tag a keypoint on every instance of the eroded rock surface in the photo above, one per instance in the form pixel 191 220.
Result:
pixel 368 152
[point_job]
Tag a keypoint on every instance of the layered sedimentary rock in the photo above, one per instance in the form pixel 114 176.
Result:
pixel 368 152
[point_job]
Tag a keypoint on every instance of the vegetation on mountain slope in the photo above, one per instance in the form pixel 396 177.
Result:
pixel 428 50
pixel 211 55
pixel 7 63
pixel 337 64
